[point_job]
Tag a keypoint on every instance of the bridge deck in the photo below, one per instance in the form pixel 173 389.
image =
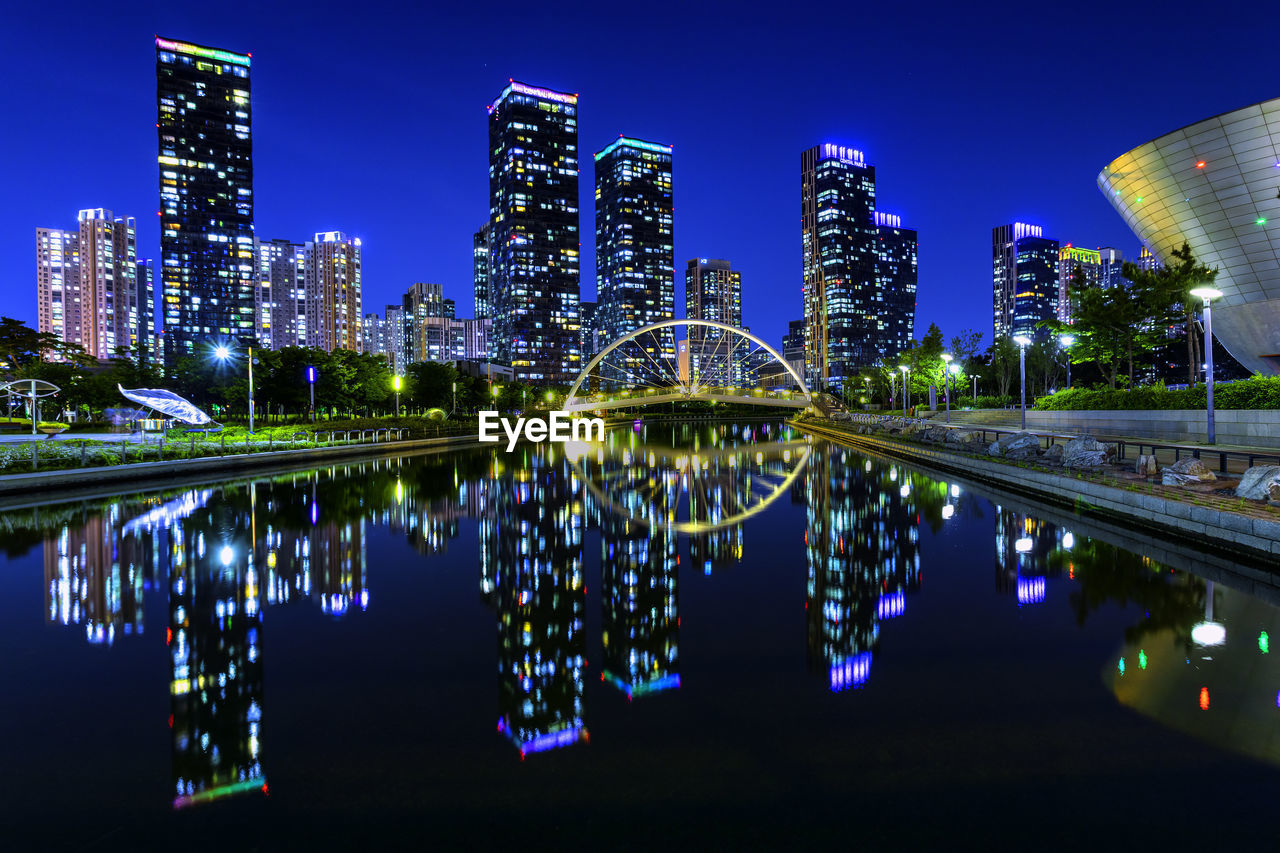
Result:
pixel 795 401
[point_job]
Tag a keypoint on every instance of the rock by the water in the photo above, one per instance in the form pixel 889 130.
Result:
pixel 1187 472
pixel 1018 445
pixel 1054 454
pixel 1086 452
pixel 1147 466
pixel 1274 492
pixel 1257 482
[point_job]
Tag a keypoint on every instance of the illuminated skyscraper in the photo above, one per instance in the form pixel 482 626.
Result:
pixel 1088 261
pixel 146 280
pixel 635 257
pixel 206 195
pixel 87 284
pixel 480 273
pixel 712 291
pixel 860 268
pixel 333 286
pixel 1025 279
pixel 534 238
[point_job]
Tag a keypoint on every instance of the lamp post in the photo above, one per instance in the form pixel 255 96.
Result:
pixel 311 383
pixel 397 382
pixel 866 384
pixel 953 370
pixel 1067 341
pixel 455 399
pixel 946 369
pixel 906 388
pixel 975 390
pixel 1208 294
pixel 222 352
pixel 1023 341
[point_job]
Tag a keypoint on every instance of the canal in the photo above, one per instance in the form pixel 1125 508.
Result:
pixel 698 634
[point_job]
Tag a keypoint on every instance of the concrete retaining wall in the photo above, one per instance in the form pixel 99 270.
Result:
pixel 1231 532
pixel 139 473
pixel 1254 428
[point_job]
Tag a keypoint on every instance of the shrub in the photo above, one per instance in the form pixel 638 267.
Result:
pixel 1260 392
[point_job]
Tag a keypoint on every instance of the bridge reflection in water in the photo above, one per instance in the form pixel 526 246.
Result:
pixel 223 556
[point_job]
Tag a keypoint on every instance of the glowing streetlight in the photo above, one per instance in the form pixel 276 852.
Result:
pixel 397 382
pixel 906 388
pixel 1208 294
pixel 1023 342
pixel 312 376
pixel 1067 341
pixel 223 353
pixel 947 358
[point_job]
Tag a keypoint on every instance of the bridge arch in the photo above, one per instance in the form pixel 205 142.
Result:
pixel 664 381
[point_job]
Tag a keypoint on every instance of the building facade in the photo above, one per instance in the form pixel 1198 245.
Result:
pixel 480 272
pixel 635 254
pixel 280 300
pixel 534 238
pixel 1024 278
pixel 712 291
pixel 333 287
pixel 1070 258
pixel 204 127
pixel 859 265
pixel 87 285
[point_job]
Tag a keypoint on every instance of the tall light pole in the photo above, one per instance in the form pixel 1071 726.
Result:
pixel 455 398
pixel 222 353
pixel 397 382
pixel 1208 294
pixel 311 383
pixel 975 390
pixel 866 384
pixel 1023 341
pixel 946 369
pixel 953 370
pixel 906 388
pixel 1067 341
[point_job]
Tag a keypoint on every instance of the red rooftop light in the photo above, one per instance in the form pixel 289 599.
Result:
pixel 1200 165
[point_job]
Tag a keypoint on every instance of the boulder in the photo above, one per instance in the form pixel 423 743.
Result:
pixel 1086 452
pixel 1274 492
pixel 1053 455
pixel 1147 466
pixel 937 433
pixel 1018 445
pixel 1187 472
pixel 1257 482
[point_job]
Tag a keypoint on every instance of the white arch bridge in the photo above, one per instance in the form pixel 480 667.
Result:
pixel 678 360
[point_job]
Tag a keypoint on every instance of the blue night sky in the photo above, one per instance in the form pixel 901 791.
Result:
pixel 370 119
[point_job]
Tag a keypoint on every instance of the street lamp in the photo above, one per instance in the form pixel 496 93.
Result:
pixel 1023 342
pixel 906 388
pixel 312 375
pixel 946 358
pixel 455 399
pixel 1067 341
pixel 1208 294
pixel 953 370
pixel 222 353
pixel 397 382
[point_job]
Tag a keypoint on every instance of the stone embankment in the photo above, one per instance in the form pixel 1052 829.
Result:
pixel 1185 499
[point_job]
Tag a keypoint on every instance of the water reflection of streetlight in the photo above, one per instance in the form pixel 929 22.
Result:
pixel 1208 632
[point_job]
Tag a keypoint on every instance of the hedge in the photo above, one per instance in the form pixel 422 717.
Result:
pixel 1260 392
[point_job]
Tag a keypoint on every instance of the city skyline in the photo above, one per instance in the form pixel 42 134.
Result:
pixel 927 138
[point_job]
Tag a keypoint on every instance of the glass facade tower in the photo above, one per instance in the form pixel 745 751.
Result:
pixel 206 195
pixel 635 256
pixel 1025 279
pixel 860 268
pixel 534 239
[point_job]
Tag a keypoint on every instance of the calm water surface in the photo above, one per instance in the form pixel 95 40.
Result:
pixel 703 635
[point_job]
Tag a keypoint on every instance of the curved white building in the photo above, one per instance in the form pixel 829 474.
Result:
pixel 1215 184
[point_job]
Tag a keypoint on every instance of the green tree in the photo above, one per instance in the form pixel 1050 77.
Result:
pixel 1166 292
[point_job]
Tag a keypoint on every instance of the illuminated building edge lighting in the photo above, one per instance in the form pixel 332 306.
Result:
pixel 206 52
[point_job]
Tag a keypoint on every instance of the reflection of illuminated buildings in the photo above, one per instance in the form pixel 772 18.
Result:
pixel 1023 547
pixel 862 550
pixel 641 618
pixel 91 579
pixel 541 600
pixel 214 626
pixel 312 558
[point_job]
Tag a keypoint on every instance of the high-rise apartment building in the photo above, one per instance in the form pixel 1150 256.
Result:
pixel 860 268
pixel 712 291
pixel 427 334
pixel 480 272
pixel 87 284
pixel 145 276
pixel 534 239
pixel 1111 268
pixel 1025 280
pixel 333 285
pixel 1070 258
pixel 635 255
pixel 280 299
pixel 206 195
